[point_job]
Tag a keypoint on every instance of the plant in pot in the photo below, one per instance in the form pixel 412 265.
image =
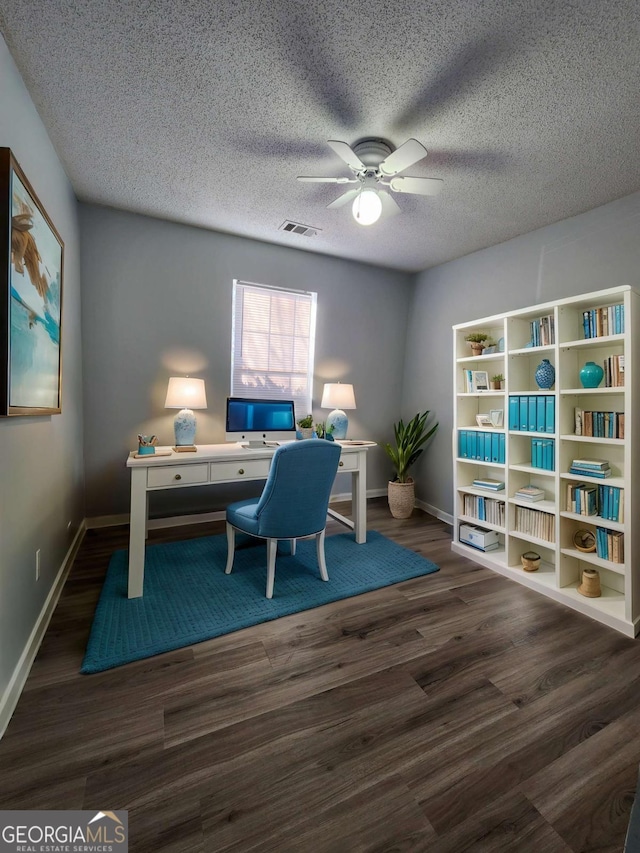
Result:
pixel 306 426
pixel 497 381
pixel 324 431
pixel 410 439
pixel 477 341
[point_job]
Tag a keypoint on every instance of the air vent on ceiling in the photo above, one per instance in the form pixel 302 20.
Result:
pixel 297 228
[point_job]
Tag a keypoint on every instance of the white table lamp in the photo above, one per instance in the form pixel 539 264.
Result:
pixel 339 397
pixel 185 394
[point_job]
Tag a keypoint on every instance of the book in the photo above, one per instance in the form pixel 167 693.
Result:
pixel 590 463
pixel 585 472
pixel 496 485
pixel 530 493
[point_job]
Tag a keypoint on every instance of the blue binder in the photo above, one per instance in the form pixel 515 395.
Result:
pixel 550 414
pixel 541 409
pixel 547 455
pixel 487 446
pixel 514 412
pixel 533 411
pixel 524 413
pixel 495 447
pixel 501 455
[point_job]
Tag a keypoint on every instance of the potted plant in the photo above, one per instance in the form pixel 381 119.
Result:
pixel 306 426
pixel 324 431
pixel 497 381
pixel 478 341
pixel 410 439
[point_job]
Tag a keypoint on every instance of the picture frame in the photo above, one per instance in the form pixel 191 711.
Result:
pixel 496 416
pixel 480 380
pixel 31 280
pixel 483 420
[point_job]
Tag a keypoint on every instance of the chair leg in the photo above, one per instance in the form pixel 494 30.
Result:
pixel 272 549
pixel 231 547
pixel 293 547
pixel 320 550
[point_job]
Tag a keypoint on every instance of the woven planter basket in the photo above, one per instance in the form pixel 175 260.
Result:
pixel 402 497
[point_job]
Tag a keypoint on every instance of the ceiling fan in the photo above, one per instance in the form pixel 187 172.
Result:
pixel 375 166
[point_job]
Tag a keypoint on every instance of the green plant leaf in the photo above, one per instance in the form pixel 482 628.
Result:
pixel 410 439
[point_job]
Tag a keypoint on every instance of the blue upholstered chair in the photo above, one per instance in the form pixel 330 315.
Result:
pixel 293 503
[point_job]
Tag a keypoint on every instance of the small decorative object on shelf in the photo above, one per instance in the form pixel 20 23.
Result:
pixel 147 444
pixel 497 382
pixel 590 586
pixel 584 540
pixel 530 561
pixel 545 374
pixel 591 375
pixel 478 341
pixel 324 431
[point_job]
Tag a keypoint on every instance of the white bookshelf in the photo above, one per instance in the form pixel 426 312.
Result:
pixel 562 564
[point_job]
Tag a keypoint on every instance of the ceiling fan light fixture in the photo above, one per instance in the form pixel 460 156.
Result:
pixel 367 207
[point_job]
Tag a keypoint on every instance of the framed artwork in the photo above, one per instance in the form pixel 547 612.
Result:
pixel 483 420
pixel 497 417
pixel 480 380
pixel 31 265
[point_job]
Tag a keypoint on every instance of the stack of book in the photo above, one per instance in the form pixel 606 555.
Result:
pixel 494 485
pixel 590 468
pixel 610 544
pixel 530 493
pixel 603 321
pixel 582 498
pixel 541 525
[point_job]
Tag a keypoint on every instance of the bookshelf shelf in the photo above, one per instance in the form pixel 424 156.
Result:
pixel 573 331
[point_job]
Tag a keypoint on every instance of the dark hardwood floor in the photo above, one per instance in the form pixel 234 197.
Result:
pixel 459 711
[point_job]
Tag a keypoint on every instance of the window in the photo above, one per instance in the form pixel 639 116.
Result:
pixel 272 344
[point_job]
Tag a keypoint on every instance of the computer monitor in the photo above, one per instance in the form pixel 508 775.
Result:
pixel 259 421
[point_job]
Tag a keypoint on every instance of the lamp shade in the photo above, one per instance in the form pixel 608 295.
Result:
pixel 367 207
pixel 185 393
pixel 337 395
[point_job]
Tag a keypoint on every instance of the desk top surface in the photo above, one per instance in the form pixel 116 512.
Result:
pixel 222 452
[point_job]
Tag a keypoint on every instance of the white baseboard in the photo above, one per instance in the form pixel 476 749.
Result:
pixel 10 698
pixel 438 513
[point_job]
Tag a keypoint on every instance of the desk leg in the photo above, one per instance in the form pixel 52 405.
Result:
pixel 137 531
pixel 359 500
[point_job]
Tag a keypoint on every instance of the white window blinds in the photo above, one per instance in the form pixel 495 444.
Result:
pixel 272 345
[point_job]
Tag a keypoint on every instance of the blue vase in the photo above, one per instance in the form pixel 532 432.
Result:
pixel 591 375
pixel 545 374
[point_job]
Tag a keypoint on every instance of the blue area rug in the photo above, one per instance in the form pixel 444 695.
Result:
pixel 188 598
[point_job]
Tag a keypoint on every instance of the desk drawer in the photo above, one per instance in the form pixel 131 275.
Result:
pixel 348 462
pixel 239 469
pixel 177 475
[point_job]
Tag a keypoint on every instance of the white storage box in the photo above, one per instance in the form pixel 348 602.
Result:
pixel 478 537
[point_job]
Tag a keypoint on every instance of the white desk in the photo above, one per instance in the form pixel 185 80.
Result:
pixel 223 463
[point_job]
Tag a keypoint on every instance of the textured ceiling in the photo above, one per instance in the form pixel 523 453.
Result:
pixel 205 112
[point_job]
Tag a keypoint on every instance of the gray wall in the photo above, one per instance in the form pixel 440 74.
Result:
pixel 592 251
pixel 41 464
pixel 157 302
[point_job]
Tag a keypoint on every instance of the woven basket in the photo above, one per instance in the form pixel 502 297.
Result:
pixel 590 586
pixel 530 561
pixel 584 540
pixel 402 497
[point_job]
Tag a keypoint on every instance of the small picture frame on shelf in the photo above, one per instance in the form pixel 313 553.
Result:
pixel 480 380
pixel 496 416
pixel 483 420
pixel 489 350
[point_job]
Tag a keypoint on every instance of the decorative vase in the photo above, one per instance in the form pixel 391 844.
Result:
pixel 401 498
pixel 306 432
pixel 545 374
pixel 590 586
pixel 591 375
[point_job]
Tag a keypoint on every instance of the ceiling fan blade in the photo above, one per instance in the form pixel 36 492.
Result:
pixel 390 207
pixel 346 153
pixel 326 180
pixel 421 186
pixel 345 198
pixel 409 153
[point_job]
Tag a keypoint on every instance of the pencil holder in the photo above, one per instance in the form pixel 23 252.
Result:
pixel 146 449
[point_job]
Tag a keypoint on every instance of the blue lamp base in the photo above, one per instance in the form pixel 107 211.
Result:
pixel 340 422
pixel 184 425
